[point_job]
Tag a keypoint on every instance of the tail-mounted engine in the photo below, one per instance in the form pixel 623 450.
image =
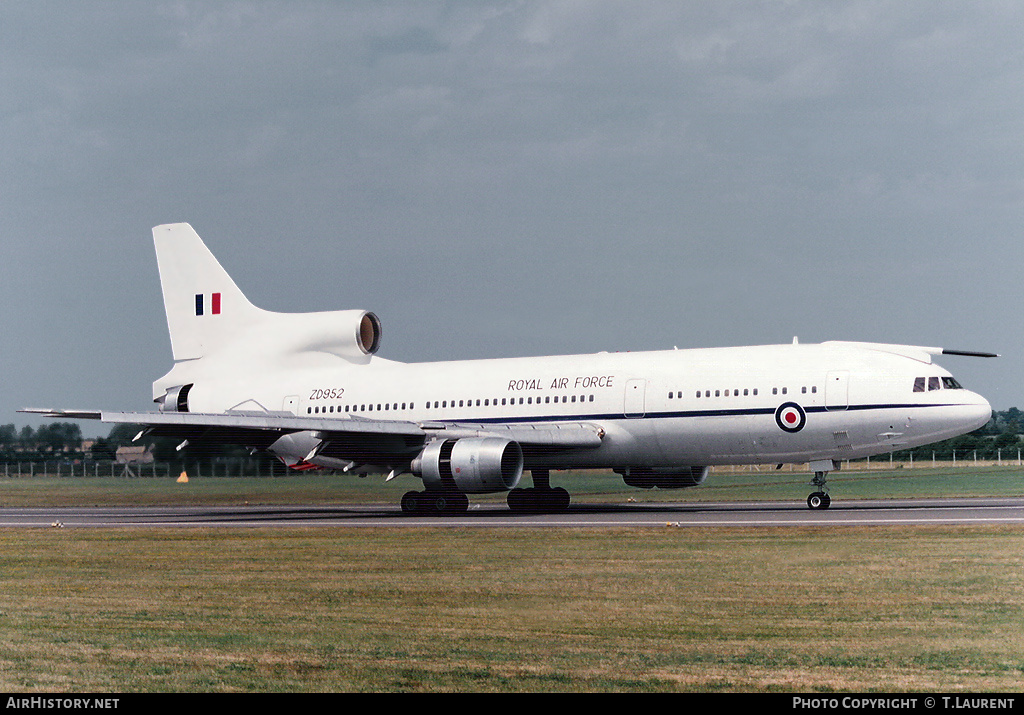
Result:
pixel 473 465
pixel 664 477
pixel 350 334
pixel 175 399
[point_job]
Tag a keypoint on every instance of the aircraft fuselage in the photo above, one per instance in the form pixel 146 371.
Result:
pixel 741 405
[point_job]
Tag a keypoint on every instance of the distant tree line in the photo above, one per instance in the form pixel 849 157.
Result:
pixel 63 441
pixel 54 438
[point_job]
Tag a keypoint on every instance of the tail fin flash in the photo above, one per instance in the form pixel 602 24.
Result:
pixel 205 309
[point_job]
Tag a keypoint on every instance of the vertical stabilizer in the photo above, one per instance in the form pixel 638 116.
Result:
pixel 205 309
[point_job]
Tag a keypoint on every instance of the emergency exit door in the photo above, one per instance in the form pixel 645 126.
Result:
pixel 634 398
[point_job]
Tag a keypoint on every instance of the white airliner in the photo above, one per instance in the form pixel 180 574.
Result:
pixel 310 389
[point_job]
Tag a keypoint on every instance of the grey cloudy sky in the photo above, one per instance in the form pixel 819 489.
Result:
pixel 513 178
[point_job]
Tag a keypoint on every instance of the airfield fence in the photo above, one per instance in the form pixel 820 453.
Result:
pixel 139 470
pixel 14 469
pixel 941 460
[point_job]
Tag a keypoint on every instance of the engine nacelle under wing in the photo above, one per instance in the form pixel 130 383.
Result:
pixel 473 465
pixel 664 477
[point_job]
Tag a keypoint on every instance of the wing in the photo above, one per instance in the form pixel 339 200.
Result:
pixel 352 440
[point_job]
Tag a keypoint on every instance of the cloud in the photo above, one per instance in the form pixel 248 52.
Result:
pixel 531 175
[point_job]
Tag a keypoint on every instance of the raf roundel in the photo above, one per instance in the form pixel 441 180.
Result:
pixel 790 417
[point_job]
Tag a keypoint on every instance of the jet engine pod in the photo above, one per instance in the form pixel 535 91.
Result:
pixel 175 399
pixel 350 334
pixel 664 477
pixel 472 465
pixel 368 333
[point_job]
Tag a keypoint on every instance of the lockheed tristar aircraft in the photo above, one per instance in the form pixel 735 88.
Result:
pixel 310 389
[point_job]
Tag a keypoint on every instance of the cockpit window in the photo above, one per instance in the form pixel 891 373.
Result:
pixel 936 383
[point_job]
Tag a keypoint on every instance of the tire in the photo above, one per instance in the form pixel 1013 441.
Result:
pixel 559 499
pixel 410 502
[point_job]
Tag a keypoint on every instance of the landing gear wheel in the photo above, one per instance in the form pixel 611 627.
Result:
pixel 537 500
pixel 819 500
pixel 439 504
pixel 560 499
pixel 447 503
pixel 435 503
pixel 411 502
pixel 460 503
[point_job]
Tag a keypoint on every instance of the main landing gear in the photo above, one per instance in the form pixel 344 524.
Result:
pixel 540 498
pixel 435 503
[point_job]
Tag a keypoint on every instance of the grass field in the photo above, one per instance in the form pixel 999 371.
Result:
pixel 334 609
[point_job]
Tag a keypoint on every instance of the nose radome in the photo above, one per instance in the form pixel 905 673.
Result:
pixel 977 411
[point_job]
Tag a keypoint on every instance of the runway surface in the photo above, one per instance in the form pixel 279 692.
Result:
pixel 904 512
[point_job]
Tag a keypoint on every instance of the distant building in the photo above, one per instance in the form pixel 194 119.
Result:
pixel 134 455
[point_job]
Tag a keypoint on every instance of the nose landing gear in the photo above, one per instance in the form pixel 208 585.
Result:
pixel 819 499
